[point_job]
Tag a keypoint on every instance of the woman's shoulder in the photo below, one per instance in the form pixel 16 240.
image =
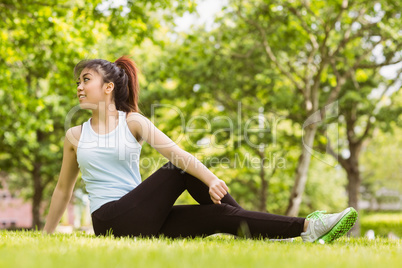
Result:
pixel 137 124
pixel 136 117
pixel 73 135
pixel 134 114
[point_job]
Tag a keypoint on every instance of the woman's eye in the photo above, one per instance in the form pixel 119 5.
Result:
pixel 78 83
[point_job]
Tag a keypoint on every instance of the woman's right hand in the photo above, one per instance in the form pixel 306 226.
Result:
pixel 217 190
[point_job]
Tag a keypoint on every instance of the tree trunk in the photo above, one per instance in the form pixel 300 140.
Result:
pixel 264 186
pixel 354 181
pixel 353 188
pixel 301 172
pixel 38 185
pixel 37 197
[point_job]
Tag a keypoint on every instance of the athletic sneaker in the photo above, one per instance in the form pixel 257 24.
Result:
pixel 328 227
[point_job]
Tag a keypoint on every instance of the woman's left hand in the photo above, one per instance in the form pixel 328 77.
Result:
pixel 217 190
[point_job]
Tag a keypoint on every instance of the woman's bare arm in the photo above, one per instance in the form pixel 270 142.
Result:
pixel 141 126
pixel 65 185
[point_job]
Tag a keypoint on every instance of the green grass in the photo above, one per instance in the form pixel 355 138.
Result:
pixel 382 223
pixel 32 249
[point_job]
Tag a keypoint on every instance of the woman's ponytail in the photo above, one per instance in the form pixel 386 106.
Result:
pixel 127 101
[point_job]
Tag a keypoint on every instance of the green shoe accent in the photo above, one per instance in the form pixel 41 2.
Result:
pixel 319 214
pixel 341 228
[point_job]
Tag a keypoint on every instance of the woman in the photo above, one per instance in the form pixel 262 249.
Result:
pixel 106 149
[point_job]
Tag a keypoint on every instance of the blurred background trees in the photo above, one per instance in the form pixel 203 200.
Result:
pixel 269 85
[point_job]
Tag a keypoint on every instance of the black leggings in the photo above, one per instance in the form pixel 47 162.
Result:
pixel 148 210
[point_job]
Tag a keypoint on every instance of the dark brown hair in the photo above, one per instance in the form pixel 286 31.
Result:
pixel 123 73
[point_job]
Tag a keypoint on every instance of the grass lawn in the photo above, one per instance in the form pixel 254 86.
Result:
pixel 32 249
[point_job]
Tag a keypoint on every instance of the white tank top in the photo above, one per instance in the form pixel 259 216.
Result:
pixel 109 163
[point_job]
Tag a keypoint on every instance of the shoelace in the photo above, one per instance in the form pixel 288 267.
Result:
pixel 317 215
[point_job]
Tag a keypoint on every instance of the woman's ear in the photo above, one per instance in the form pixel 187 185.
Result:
pixel 109 88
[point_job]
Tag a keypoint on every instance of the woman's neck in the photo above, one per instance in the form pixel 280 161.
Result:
pixel 104 119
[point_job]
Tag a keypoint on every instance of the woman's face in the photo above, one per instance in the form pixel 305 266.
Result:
pixel 90 88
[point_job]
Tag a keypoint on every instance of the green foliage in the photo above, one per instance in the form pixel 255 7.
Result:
pixel 384 171
pixel 290 59
pixel 202 74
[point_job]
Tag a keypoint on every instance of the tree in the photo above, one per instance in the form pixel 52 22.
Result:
pixel 360 116
pixel 305 55
pixel 378 172
pixel 218 81
pixel 328 44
